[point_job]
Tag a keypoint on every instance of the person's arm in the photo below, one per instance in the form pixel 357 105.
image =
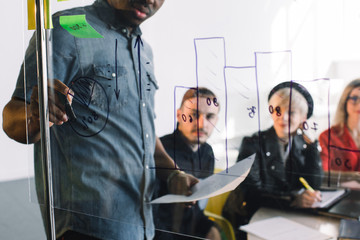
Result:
pixel 166 169
pixel 16 118
pixel 313 165
pixel 21 120
pixel 306 199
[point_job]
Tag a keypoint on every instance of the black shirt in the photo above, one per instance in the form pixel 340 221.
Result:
pixel 190 221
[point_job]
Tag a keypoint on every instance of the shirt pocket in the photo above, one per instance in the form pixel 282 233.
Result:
pixel 115 83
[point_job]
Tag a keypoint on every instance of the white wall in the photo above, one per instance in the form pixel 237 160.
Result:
pixel 322 35
pixel 13 161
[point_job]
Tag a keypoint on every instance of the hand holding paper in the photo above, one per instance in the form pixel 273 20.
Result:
pixel 214 185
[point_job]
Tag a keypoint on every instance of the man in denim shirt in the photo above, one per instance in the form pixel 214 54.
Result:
pixel 103 161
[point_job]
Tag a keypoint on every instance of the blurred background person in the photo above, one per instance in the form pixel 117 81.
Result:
pixel 343 152
pixel 196 119
pixel 283 154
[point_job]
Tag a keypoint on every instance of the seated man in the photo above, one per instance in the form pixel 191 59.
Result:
pixel 283 154
pixel 187 145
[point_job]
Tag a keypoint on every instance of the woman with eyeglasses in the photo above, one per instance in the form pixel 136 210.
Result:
pixel 343 152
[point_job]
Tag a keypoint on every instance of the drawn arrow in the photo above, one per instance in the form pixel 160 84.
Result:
pixel 116 90
pixel 137 44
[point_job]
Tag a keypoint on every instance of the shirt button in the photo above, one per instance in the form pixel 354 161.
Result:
pixel 304 146
pixel 113 75
pixel 147 166
pixel 147 135
pixel 267 153
pixel 272 167
pixel 123 30
pixel 144 104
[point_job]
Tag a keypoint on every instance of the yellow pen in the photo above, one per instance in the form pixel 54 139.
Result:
pixel 306 185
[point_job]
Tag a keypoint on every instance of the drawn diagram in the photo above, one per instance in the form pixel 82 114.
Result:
pixel 243 91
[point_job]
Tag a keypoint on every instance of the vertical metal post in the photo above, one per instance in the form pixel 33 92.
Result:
pixel 44 118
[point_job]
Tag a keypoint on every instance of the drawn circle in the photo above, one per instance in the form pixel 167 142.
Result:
pixel 216 104
pixel 214 101
pixel 183 117
pixel 338 161
pixel 305 125
pixel 278 111
pixel 91 107
pixel 271 109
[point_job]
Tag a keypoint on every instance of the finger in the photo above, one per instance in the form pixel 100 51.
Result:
pixel 318 196
pixel 57 115
pixel 59 86
pixel 314 195
pixel 34 104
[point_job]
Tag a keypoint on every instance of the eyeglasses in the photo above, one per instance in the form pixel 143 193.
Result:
pixel 353 99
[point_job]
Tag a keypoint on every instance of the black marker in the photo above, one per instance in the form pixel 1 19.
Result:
pixel 68 109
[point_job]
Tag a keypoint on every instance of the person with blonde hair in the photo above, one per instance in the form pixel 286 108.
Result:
pixel 283 154
pixel 341 143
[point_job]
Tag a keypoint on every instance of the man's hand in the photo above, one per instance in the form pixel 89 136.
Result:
pixel 213 234
pixel 181 183
pixel 21 120
pixel 306 199
pixel 57 113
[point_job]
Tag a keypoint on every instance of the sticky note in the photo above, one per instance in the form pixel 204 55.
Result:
pixel 31 14
pixel 77 26
pixel 47 13
pixel 32 18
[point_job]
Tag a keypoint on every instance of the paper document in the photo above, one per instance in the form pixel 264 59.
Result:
pixel 281 228
pixel 329 197
pixel 353 184
pixel 215 184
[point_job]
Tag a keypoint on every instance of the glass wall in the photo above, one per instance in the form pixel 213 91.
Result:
pixel 111 88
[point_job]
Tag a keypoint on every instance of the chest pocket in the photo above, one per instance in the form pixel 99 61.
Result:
pixel 115 83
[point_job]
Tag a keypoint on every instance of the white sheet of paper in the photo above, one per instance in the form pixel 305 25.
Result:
pixel 215 184
pixel 327 197
pixel 351 184
pixel 281 228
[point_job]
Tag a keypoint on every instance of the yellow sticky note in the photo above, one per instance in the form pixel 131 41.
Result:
pixel 31 14
pixel 77 26
pixel 32 18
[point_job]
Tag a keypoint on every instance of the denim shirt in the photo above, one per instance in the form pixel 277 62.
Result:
pixel 102 163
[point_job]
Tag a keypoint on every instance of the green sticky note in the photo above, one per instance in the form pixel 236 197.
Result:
pixel 77 26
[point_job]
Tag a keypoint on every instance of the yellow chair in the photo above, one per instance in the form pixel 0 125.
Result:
pixel 214 209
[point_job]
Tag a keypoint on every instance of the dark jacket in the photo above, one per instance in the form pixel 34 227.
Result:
pixel 271 182
pixel 174 217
